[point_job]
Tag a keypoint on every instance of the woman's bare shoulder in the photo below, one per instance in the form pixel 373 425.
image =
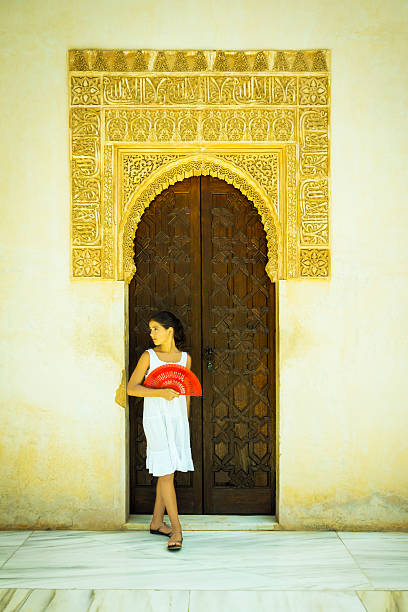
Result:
pixel 145 356
pixel 144 360
pixel 141 368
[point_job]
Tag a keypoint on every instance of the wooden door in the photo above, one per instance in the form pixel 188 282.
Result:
pixel 200 251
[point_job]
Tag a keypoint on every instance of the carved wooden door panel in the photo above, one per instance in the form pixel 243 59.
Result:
pixel 200 251
pixel 239 326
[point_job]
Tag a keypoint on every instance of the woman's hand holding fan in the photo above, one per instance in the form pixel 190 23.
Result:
pixel 168 394
pixel 173 376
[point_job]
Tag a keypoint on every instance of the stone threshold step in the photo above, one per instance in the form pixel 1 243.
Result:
pixel 210 522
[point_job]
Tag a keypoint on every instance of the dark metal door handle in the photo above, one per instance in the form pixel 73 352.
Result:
pixel 209 352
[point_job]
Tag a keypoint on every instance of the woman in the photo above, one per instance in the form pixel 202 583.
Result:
pixel 165 422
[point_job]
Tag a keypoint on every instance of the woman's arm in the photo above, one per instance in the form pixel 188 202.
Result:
pixel 188 365
pixel 135 387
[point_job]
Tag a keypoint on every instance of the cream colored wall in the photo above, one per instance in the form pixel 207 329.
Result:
pixel 343 347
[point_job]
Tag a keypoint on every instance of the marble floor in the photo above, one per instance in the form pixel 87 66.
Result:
pixel 275 570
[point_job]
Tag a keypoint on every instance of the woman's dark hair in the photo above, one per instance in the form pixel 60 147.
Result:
pixel 168 319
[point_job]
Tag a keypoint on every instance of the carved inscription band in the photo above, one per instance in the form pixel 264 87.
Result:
pixel 209 90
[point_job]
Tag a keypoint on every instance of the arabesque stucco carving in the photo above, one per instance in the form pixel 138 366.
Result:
pixel 141 120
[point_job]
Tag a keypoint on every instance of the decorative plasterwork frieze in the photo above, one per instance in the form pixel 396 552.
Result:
pixel 185 61
pixel 261 116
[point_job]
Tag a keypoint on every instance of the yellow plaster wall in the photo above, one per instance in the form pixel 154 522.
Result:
pixel 343 343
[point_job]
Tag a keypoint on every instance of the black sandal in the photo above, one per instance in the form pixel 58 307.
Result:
pixel 175 546
pixel 158 532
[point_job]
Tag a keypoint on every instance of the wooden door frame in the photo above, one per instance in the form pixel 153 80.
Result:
pixel 126 375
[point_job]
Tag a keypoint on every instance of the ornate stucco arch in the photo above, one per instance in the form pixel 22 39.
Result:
pixel 166 105
pixel 196 165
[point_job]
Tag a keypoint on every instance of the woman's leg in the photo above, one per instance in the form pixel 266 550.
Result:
pixel 168 495
pixel 158 512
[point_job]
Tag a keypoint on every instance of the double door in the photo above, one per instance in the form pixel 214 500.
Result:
pixel 200 252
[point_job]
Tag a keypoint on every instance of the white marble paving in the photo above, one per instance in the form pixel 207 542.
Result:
pixel 78 600
pixel 75 600
pixel 383 557
pixel 12 599
pixel 118 600
pixel 278 601
pixel 384 601
pixel 9 543
pixel 211 560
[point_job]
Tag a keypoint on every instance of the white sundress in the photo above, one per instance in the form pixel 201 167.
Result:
pixel 166 428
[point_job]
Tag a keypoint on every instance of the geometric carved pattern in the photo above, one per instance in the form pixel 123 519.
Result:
pixel 314 262
pixel 249 103
pixel 194 166
pixel 242 427
pixel 263 167
pixel 87 262
pixel 85 90
pixel 138 167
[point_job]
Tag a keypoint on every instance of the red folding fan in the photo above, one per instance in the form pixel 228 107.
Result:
pixel 173 376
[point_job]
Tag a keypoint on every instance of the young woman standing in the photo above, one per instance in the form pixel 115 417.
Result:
pixel 165 422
